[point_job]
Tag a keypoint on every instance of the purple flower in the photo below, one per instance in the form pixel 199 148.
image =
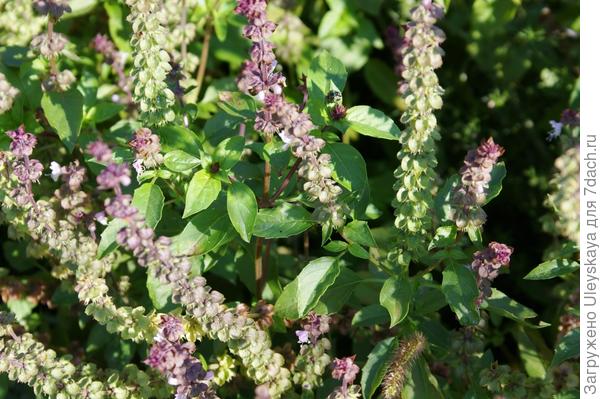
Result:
pixel 476 174
pixel 30 171
pixel 100 151
pixel 73 175
pixel 344 369
pixel 53 8
pixel 113 176
pixel 177 363
pixel 120 207
pixel 102 44
pixel 147 148
pixel 171 328
pixel 303 336
pixel 338 112
pixel 23 143
pixel 313 327
pixel 569 117
pixel 487 264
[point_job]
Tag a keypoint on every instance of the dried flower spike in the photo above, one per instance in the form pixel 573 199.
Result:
pixel 408 351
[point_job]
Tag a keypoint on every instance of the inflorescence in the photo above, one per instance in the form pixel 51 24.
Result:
pixel 419 54
pixel 471 194
pixel 259 77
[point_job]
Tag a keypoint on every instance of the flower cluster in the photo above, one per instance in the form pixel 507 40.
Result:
pixel 103 45
pixel 475 175
pixel 7 94
pixel 26 170
pixel 345 370
pixel 564 197
pixel 312 361
pixel 408 351
pixel 487 264
pixel 57 226
pixel 50 44
pixel 150 63
pixel 176 362
pixel 27 361
pixel 146 146
pixel 210 316
pixel 419 54
pixel 14 33
pixel 260 78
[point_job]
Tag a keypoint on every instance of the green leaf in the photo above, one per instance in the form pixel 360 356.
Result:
pixel 159 293
pixel 504 306
pixel 64 112
pixel 358 232
pixel 242 209
pixel 335 246
pixel 460 288
pixel 202 191
pixel 421 383
pixel 370 122
pixel 119 28
pixel 444 236
pixel 395 296
pixel 149 200
pixel 180 161
pixel 443 203
pixel 286 305
pixel 474 234
pixel 229 152
pixel 376 366
pixel 531 355
pixel 108 238
pixel 80 7
pixel 552 268
pixel 206 231
pixel 358 251
pixel 178 138
pixel 371 315
pixel 282 221
pixel 381 80
pixel 495 186
pixel 350 171
pixel 103 111
pixel 567 348
pixel 314 280
pixel 21 308
pixel 338 294
pixel 326 73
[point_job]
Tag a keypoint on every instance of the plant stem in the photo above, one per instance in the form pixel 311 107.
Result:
pixel 259 267
pixel 286 181
pixel 52 59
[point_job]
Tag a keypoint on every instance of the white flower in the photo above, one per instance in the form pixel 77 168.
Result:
pixel 138 166
pixel 556 130
pixel 55 170
pixel 101 218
